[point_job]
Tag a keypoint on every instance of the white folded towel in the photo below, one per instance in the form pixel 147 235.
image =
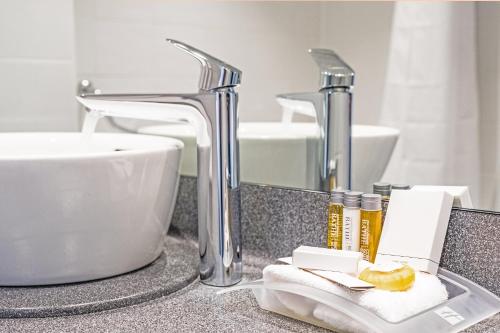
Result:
pixel 340 321
pixel 426 292
pixel 296 303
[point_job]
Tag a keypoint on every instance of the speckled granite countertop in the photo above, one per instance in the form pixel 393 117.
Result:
pixel 275 221
pixel 175 269
pixel 196 308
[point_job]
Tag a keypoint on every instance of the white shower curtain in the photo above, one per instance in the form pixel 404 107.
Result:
pixel 431 95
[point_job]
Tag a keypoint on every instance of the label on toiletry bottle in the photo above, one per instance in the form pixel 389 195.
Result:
pixel 334 224
pixel 364 239
pixel 347 235
pixel 334 236
pixel 350 236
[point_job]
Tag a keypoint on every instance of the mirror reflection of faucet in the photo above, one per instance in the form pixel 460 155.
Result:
pixel 332 106
pixel 323 155
pixel 348 156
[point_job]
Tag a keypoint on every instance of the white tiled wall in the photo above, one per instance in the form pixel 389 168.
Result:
pixel 360 32
pixel 37 66
pixel 488 15
pixel 121 47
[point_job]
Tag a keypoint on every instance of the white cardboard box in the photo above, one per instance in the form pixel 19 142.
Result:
pixel 415 228
pixel 461 194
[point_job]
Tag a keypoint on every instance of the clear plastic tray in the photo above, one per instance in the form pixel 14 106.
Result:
pixel 467 304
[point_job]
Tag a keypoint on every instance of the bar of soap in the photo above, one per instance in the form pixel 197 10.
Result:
pixel 391 277
pixel 309 257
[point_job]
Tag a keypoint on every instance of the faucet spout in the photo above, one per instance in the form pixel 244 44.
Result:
pixel 191 108
pixel 213 112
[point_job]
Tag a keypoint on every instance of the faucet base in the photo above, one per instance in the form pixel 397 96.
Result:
pixel 230 279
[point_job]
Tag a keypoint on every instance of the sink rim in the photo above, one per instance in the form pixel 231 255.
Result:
pixel 138 144
pixel 374 131
pixel 304 130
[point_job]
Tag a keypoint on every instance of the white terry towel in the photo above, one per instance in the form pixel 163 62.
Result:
pixel 426 292
pixel 296 303
pixel 340 321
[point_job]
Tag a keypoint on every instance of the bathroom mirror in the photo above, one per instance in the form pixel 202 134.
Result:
pixel 424 106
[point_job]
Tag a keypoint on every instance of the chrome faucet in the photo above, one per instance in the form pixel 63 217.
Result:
pixel 332 109
pixel 213 112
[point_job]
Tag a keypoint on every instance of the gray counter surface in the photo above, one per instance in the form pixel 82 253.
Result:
pixel 275 221
pixel 196 308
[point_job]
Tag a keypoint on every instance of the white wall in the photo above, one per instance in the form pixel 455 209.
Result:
pixel 37 68
pixel 360 32
pixel 488 30
pixel 121 46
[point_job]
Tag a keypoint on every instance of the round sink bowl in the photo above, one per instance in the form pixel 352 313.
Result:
pixel 280 153
pixel 75 209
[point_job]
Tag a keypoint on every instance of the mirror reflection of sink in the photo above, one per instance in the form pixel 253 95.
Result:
pixel 372 147
pixel 72 212
pixel 280 153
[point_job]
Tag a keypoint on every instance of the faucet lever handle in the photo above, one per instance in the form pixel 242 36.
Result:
pixel 334 71
pixel 215 73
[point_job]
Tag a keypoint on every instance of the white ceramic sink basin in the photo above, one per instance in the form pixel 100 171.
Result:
pixel 280 153
pixel 73 212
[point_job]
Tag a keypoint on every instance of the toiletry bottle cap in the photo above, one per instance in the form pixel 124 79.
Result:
pixel 337 196
pixel 371 201
pixel 400 187
pixel 352 199
pixel 383 189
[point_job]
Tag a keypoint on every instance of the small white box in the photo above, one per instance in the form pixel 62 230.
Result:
pixel 415 228
pixel 308 257
pixel 461 194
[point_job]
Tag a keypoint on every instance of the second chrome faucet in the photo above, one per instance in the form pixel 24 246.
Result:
pixel 332 108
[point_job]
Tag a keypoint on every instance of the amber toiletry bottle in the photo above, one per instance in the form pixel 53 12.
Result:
pixel 370 225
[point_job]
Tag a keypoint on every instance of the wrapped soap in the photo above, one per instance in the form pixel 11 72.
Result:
pixel 309 257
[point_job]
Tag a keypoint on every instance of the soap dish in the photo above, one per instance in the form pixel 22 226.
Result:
pixel 468 304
